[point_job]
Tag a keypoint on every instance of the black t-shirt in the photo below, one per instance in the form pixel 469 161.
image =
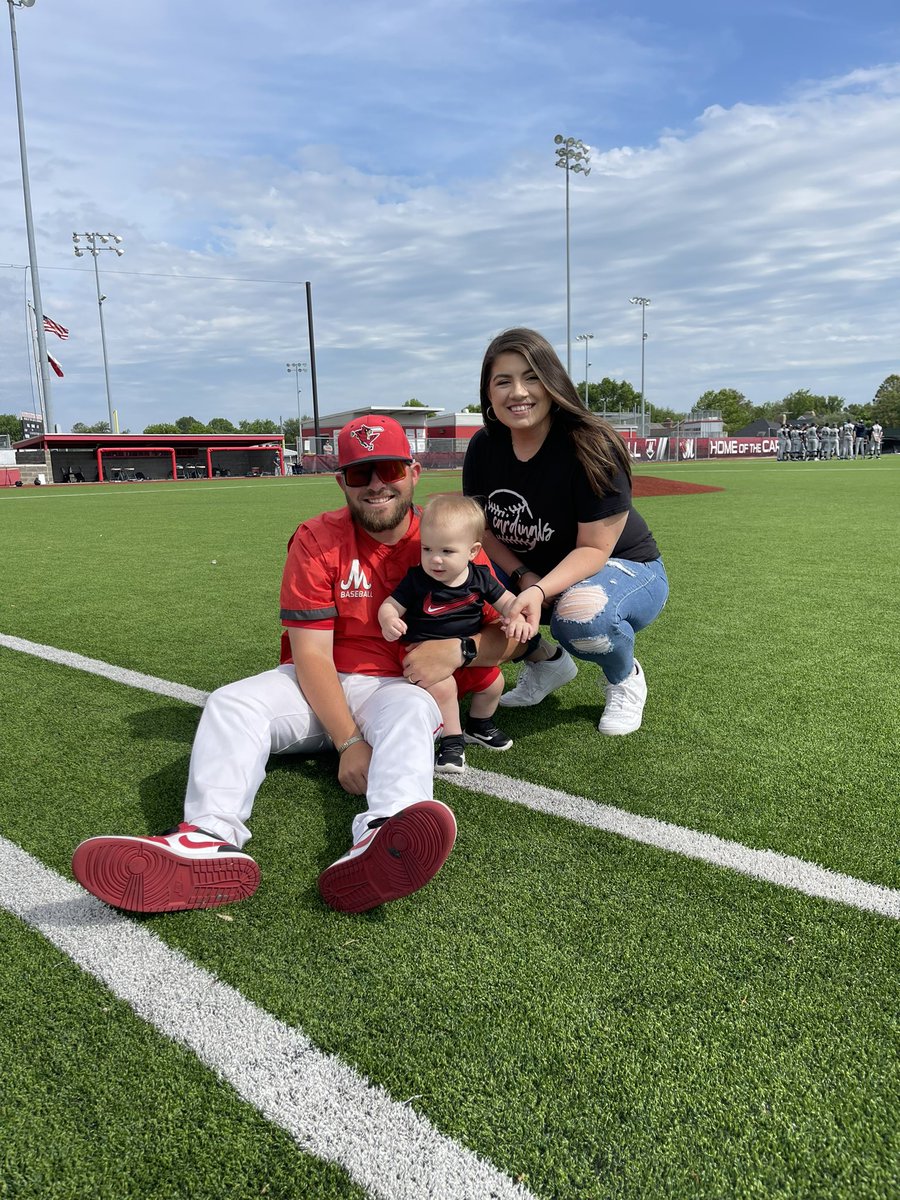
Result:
pixel 535 507
pixel 435 610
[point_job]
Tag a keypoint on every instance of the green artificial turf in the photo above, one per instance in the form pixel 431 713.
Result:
pixel 603 1019
pixel 94 1103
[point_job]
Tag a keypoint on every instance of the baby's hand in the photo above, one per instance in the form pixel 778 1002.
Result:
pixel 392 629
pixel 519 628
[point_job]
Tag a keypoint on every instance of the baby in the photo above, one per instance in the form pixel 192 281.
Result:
pixel 445 598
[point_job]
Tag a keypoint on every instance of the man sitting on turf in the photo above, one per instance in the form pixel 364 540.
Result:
pixel 339 685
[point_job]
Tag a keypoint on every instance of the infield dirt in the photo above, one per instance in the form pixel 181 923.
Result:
pixel 653 485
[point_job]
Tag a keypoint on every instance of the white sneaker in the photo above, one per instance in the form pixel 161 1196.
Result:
pixel 625 703
pixel 539 679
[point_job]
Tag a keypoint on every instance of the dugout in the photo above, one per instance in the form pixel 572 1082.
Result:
pixel 123 458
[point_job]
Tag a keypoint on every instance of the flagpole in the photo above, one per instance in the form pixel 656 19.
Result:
pixel 37 361
pixel 46 393
pixel 312 367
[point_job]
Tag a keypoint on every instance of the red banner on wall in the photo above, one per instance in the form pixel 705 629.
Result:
pixel 678 449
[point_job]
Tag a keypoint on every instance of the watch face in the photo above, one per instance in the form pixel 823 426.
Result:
pixel 469 650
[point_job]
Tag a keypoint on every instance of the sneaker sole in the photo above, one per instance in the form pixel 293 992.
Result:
pixel 139 876
pixel 619 732
pixel 473 740
pixel 449 768
pixel 408 852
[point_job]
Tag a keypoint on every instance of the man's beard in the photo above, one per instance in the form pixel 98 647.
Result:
pixel 379 520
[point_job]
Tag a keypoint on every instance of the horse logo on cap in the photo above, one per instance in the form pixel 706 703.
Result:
pixel 367 435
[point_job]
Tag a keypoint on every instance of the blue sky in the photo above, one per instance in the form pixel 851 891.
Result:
pixel 745 175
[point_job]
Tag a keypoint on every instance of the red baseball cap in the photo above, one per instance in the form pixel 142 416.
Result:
pixel 372 439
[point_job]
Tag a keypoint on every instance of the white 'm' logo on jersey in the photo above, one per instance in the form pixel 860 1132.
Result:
pixel 356 581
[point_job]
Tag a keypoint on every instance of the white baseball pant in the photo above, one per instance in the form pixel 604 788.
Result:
pixel 244 722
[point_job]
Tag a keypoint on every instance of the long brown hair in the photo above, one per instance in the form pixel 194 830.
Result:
pixel 598 447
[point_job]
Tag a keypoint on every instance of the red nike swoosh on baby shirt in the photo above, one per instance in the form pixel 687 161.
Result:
pixel 435 610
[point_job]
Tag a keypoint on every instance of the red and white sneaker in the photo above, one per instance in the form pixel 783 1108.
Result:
pixel 183 868
pixel 395 856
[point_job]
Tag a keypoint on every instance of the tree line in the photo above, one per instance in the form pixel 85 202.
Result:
pixel 614 395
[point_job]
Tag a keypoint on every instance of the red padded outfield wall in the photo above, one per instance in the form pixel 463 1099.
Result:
pixel 679 449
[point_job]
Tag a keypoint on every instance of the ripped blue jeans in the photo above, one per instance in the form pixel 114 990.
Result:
pixel 597 618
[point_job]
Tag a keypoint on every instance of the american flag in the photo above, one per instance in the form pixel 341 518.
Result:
pixel 52 326
pixel 55 365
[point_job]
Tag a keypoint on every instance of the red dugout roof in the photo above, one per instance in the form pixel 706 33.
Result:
pixel 178 441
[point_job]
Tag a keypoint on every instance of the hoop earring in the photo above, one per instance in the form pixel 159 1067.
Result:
pixel 491 415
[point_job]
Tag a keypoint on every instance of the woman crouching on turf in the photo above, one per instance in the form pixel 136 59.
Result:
pixel 554 480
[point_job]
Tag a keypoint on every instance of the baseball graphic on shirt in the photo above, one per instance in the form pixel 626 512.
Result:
pixel 512 521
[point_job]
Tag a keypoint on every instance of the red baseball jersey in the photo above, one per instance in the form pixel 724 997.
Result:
pixel 336 577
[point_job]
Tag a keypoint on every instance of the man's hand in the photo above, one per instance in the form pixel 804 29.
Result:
pixel 353 768
pixel 428 663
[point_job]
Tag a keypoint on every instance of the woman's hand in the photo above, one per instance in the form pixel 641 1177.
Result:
pixel 527 605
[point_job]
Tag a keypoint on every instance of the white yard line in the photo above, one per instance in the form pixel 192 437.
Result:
pixel 768 865
pixel 66 658
pixel 327 1108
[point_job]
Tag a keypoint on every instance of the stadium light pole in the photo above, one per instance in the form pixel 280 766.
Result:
pixel 108 241
pixel 571 155
pixel 586 338
pixel 295 369
pixel 643 302
pixel 43 360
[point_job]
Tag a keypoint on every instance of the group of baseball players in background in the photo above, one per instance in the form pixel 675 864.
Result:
pixel 852 439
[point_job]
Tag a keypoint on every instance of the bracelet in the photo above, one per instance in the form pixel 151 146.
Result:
pixel 540 589
pixel 351 741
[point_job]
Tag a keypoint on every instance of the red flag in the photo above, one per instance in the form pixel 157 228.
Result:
pixel 55 365
pixel 52 326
